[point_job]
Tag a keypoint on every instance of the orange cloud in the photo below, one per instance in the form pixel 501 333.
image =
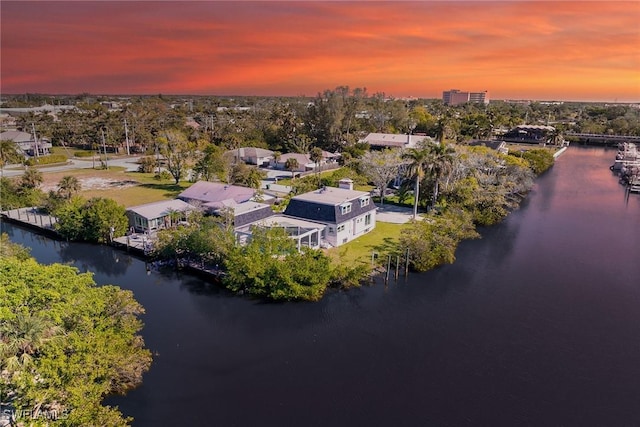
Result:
pixel 540 49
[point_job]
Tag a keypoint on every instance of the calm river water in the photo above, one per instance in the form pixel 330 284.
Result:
pixel 537 323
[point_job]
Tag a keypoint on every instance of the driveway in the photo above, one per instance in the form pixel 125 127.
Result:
pixel 394 214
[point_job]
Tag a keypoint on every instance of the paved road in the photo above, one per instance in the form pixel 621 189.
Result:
pixel 129 163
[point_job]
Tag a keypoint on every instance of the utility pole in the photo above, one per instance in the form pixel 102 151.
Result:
pixel 104 147
pixel 35 140
pixel 158 157
pixel 126 136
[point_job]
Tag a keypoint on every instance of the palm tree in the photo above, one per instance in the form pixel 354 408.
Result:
pixel 31 178
pixel 8 153
pixel 22 338
pixel 68 186
pixel 316 157
pixel 440 163
pixel 418 160
pixel 291 165
pixel 174 217
pixel 276 157
pixel 554 137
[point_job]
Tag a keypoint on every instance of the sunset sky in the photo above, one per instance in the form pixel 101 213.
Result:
pixel 545 50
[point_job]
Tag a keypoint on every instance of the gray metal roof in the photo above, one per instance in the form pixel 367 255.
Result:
pixel 215 192
pixel 325 205
pixel 393 139
pixel 16 136
pixel 331 195
pixel 161 209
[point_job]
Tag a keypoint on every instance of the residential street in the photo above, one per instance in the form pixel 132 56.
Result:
pixel 129 163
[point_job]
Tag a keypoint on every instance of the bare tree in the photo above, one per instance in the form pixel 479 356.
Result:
pixel 381 167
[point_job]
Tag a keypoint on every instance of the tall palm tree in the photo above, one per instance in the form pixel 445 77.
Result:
pixel 276 157
pixel 8 153
pixel 418 159
pixel 316 157
pixel 440 163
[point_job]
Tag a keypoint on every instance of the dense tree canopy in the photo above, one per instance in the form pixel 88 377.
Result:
pixel 65 344
pixel 95 220
pixel 270 266
pixel 433 240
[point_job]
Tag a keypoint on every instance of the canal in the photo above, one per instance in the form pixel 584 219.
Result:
pixel 537 323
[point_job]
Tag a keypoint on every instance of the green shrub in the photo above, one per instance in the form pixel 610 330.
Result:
pixel 434 240
pixel 13 195
pixel 539 159
pixel 345 276
pixel 46 160
pixel 91 220
pixel 162 176
pixel 83 153
pixel 147 164
pixel 270 266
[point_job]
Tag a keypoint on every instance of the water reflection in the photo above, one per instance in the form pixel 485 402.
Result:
pixel 95 258
pixel 98 259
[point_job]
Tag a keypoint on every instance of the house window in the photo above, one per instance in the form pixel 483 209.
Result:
pixel 345 209
pixel 367 219
pixel 330 229
pixel 340 228
pixel 364 202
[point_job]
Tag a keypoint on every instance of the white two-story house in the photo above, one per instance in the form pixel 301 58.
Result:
pixel 347 213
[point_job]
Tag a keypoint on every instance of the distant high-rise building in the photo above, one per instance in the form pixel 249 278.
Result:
pixel 455 97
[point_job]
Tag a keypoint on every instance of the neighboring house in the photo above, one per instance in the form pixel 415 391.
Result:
pixel 27 143
pixel 393 140
pixel 157 215
pixel 499 146
pixel 253 155
pixel 531 134
pixel 52 110
pixel 304 161
pixel 305 233
pixel 215 195
pixel 347 213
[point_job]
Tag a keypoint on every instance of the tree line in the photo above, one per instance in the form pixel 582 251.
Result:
pixel 333 120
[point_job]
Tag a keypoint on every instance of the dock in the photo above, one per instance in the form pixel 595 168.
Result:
pixel 136 242
pixel 33 218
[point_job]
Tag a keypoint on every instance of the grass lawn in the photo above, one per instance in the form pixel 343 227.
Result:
pixel 141 193
pixel 126 188
pixel 146 190
pixel 381 239
pixel 61 150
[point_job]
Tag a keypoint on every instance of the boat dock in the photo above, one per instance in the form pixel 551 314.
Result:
pixel 137 242
pixel 627 165
pixel 32 218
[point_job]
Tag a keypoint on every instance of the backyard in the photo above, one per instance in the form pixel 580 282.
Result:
pixel 381 240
